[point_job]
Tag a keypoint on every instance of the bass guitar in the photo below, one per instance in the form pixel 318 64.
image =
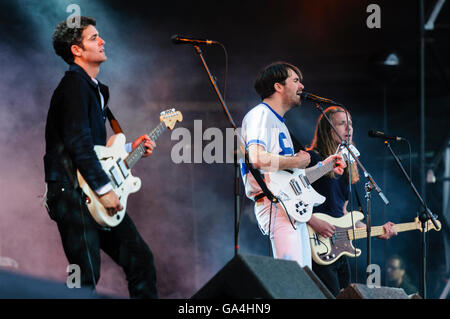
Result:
pixel 326 251
pixel 117 164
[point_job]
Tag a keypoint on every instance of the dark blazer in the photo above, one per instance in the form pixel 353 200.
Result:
pixel 75 123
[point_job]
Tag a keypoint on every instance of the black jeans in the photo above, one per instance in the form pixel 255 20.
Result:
pixel 82 239
pixel 335 276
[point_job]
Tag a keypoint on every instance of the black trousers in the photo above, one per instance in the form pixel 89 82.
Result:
pixel 335 276
pixel 82 238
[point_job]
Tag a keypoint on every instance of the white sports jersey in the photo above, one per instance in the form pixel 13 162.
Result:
pixel 263 126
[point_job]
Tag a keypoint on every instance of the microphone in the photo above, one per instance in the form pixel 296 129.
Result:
pixel 309 96
pixel 176 39
pixel 379 134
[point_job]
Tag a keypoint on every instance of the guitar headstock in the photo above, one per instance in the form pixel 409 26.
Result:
pixel 170 118
pixel 429 225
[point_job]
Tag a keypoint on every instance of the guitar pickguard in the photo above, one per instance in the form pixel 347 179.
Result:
pixel 328 250
pixel 123 182
pixel 294 193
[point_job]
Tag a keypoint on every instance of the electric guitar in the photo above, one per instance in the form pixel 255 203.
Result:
pixel 292 188
pixel 117 164
pixel 326 251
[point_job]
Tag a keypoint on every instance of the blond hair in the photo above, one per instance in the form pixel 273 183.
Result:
pixel 324 143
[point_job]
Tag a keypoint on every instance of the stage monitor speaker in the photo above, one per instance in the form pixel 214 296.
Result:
pixel 360 291
pixel 248 277
pixel 20 286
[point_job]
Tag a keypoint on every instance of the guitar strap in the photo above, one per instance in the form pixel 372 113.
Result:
pixel 67 161
pixel 112 121
pixel 257 175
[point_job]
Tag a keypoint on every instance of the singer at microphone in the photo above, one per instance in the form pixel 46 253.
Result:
pixel 176 39
pixel 382 135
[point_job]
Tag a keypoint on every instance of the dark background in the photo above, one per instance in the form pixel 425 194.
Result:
pixel 186 211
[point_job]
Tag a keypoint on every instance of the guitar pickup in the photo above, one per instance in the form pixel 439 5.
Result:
pixel 295 187
pixel 333 238
pixel 123 168
pixel 116 177
pixel 316 239
pixel 304 181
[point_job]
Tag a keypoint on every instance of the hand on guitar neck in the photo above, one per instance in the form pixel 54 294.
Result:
pixel 389 229
pixel 147 143
pixel 339 163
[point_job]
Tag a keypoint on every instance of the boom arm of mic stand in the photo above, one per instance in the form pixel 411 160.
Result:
pixel 426 209
pixel 366 173
pixel 216 89
pixel 230 119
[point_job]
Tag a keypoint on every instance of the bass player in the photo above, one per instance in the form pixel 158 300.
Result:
pixel 335 276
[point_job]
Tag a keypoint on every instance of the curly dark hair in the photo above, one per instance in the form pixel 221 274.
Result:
pixel 64 37
pixel 276 72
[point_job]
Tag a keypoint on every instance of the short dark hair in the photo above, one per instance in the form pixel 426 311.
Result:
pixel 64 37
pixel 276 72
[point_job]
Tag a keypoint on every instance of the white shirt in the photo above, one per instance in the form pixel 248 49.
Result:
pixel 263 126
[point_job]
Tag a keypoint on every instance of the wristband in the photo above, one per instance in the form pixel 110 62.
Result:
pixel 319 164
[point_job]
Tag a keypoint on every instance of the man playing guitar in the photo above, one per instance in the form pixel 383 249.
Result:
pixel 75 123
pixel 335 276
pixel 270 148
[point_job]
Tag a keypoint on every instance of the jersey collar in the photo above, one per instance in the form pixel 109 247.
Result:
pixel 276 114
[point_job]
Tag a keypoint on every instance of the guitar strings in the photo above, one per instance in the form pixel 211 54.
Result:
pixel 345 233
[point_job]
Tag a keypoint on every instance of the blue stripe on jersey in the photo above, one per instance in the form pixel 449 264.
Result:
pixel 244 168
pixel 256 142
pixel 276 114
pixel 284 150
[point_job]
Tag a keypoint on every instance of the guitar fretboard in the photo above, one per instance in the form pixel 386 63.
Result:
pixel 137 153
pixel 379 230
pixel 314 173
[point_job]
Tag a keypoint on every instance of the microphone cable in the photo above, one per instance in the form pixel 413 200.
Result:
pixel 226 69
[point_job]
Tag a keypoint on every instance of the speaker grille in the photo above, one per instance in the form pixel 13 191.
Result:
pixel 248 276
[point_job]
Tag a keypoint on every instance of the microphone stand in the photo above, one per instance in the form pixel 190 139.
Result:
pixel 236 165
pixel 371 184
pixel 423 217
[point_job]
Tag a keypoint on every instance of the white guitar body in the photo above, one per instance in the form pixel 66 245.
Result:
pixel 111 158
pixel 295 193
pixel 326 251
pixel 117 164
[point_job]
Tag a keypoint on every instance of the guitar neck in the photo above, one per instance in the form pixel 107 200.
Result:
pixel 379 230
pixel 314 173
pixel 140 150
